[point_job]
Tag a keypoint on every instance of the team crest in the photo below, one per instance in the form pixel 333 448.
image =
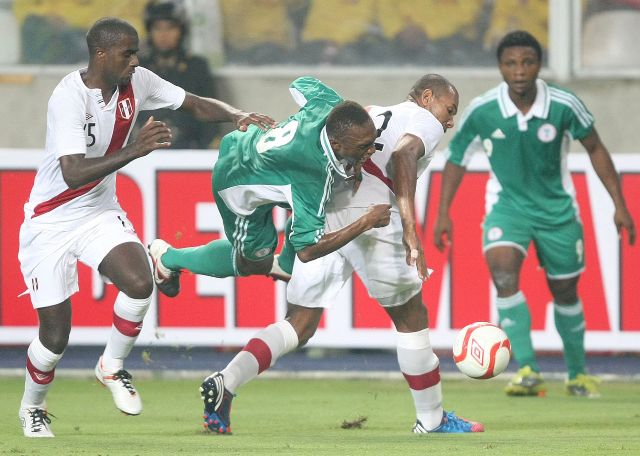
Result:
pixel 494 233
pixel 262 252
pixel 547 133
pixel 126 108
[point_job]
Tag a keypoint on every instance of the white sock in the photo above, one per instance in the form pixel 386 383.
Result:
pixel 419 365
pixel 128 314
pixel 41 366
pixel 260 353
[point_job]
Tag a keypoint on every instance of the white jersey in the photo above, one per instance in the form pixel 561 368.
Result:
pixel 392 123
pixel 79 122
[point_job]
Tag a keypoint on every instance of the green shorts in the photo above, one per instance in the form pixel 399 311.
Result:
pixel 254 236
pixel 560 248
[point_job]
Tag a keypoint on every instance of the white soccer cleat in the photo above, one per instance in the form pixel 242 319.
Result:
pixel 277 273
pixel 167 280
pixel 124 394
pixel 35 422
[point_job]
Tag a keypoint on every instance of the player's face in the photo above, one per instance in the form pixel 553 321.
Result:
pixel 519 66
pixel 121 60
pixel 444 107
pixel 357 145
pixel 165 35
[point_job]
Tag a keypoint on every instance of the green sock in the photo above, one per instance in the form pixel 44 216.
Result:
pixel 214 259
pixel 570 325
pixel 515 320
pixel 287 254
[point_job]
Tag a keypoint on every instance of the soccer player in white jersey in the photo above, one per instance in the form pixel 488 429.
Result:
pixel 524 126
pixel 389 260
pixel 73 213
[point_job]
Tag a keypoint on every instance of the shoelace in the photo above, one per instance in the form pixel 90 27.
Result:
pixel 38 419
pixel 125 379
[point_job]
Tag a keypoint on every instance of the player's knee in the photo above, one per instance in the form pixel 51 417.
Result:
pixel 56 341
pixel 505 281
pixel 138 287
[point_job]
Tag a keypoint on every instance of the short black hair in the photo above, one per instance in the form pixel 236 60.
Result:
pixel 106 32
pixel 438 85
pixel 519 38
pixel 344 117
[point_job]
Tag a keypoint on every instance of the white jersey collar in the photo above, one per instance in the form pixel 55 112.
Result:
pixel 328 151
pixel 540 107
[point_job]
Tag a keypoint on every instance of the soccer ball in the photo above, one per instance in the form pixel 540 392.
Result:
pixel 481 350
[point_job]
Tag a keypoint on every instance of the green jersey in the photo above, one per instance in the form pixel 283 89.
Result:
pixel 290 166
pixel 527 153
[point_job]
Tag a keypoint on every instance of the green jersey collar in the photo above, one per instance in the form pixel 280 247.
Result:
pixel 540 106
pixel 328 151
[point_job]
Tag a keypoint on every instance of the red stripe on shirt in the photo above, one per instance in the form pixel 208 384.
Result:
pixel 374 170
pixel 121 129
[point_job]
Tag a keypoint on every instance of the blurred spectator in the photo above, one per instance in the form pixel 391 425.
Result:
pixel 445 32
pixel 258 31
pixel 510 15
pixel 403 31
pixel 167 28
pixel 340 31
pixel 53 31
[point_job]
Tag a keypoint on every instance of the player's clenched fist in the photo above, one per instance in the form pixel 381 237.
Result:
pixel 379 215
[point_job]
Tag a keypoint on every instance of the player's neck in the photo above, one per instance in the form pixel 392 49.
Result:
pixel 523 101
pixel 94 80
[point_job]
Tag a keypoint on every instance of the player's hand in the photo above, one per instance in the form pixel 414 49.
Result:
pixel 153 135
pixel 442 232
pixel 623 220
pixel 262 121
pixel 415 254
pixel 378 215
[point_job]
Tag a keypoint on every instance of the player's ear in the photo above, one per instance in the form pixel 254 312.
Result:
pixel 427 96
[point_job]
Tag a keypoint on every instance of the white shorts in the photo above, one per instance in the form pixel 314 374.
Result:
pixel 49 258
pixel 377 256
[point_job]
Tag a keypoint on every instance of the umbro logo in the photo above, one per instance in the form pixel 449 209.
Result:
pixel 41 377
pixel 498 134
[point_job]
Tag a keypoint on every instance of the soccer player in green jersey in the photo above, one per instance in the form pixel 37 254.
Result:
pixel 291 166
pixel 524 126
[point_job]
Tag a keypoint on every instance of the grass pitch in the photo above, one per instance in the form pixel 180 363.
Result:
pixel 305 417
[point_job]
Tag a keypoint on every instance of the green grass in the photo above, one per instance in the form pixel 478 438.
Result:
pixel 304 417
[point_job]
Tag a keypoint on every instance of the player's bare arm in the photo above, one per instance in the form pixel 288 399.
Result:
pixel 377 216
pixel 212 110
pixel 78 170
pixel 451 178
pixel 604 168
pixel 404 160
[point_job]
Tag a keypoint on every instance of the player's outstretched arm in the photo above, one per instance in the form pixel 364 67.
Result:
pixel 212 110
pixel 604 168
pixel 451 178
pixel 78 170
pixel 377 216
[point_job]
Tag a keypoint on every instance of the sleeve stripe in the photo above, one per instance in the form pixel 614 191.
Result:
pixel 476 103
pixel 571 101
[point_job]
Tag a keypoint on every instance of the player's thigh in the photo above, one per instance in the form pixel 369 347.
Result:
pixel 504 229
pixel 378 257
pixel 111 229
pixel 561 249
pixel 48 264
pixel 317 283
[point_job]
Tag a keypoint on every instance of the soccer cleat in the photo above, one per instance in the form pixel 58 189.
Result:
pixel 167 280
pixel 450 424
pixel 124 394
pixel 583 386
pixel 277 273
pixel 217 404
pixel 35 422
pixel 526 382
